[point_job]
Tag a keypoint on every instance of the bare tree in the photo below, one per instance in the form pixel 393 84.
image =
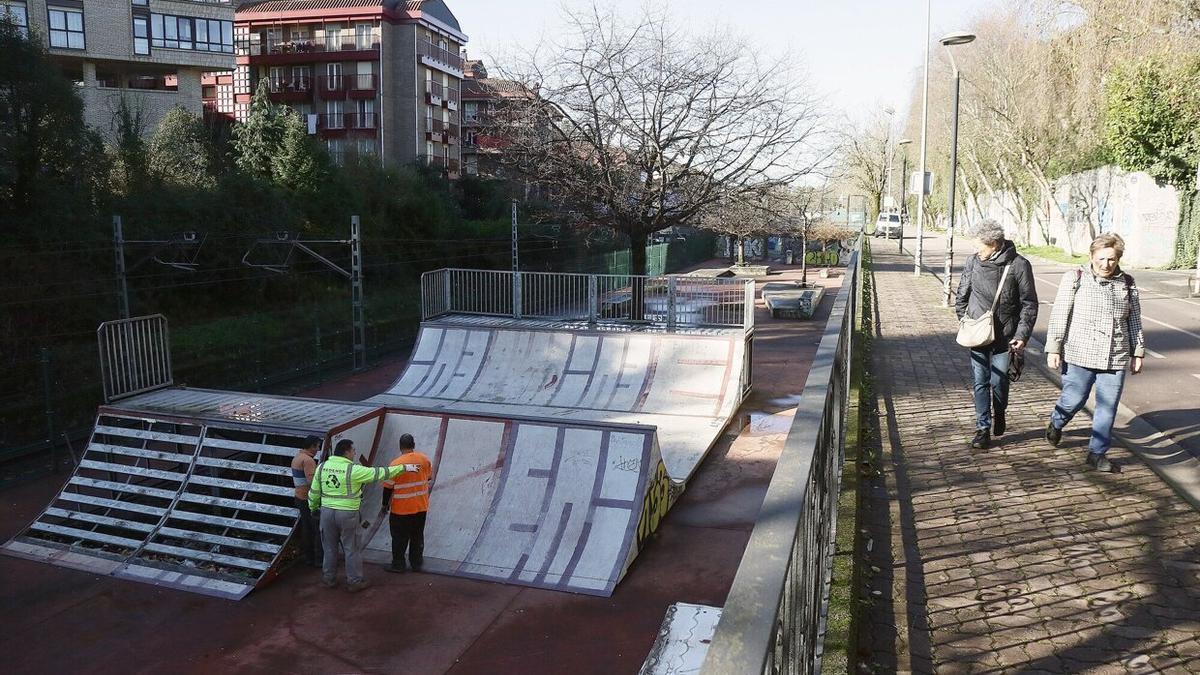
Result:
pixel 640 127
pixel 868 155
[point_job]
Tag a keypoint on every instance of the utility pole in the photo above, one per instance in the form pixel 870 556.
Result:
pixel 119 251
pixel 356 296
pixel 516 267
pixel 924 142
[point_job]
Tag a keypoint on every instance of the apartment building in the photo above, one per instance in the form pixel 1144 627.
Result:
pixel 378 78
pixel 149 53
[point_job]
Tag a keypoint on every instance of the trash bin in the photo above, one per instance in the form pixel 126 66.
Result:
pixel 788 256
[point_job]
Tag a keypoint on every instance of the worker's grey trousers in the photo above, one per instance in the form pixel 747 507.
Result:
pixel 341 526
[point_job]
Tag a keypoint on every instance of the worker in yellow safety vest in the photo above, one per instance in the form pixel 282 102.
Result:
pixel 407 499
pixel 337 492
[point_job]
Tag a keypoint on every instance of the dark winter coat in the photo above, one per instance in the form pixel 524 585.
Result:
pixel 1017 310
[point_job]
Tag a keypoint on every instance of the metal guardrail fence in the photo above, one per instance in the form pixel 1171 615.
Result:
pixel 774 616
pixel 672 301
pixel 135 355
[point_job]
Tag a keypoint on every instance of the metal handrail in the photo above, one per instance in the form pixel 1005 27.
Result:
pixel 673 301
pixel 774 616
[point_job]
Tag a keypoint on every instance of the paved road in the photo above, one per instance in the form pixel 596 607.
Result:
pixel 1167 393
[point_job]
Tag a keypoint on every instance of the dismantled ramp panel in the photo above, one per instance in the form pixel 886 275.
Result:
pixel 564 505
pixel 196 495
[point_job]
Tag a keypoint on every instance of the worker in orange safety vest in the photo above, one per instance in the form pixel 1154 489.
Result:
pixel 406 497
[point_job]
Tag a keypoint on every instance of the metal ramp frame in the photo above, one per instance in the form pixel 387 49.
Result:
pixel 185 504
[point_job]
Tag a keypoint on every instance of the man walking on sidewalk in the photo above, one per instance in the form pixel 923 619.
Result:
pixel 337 492
pixel 407 498
pixel 999 280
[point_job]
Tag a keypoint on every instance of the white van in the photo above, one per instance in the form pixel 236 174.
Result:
pixel 889 225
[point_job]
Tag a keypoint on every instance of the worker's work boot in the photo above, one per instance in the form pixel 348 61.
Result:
pixel 358 585
pixel 329 582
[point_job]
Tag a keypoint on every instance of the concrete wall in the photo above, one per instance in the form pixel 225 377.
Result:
pixel 102 103
pixel 1093 202
pixel 400 95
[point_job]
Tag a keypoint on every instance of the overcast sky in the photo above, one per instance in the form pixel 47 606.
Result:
pixel 862 53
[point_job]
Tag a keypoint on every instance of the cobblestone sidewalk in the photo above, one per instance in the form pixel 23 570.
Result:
pixel 1015 559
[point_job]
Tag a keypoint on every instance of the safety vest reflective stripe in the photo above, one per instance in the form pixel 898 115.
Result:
pixel 349 469
pixel 406 495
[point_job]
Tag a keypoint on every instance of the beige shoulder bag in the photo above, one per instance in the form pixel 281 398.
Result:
pixel 981 331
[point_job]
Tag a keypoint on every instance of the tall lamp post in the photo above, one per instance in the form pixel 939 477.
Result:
pixel 948 41
pixel 887 158
pixel 924 129
pixel 903 191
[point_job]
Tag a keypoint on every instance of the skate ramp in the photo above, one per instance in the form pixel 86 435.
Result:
pixel 686 384
pixel 189 489
pixel 563 505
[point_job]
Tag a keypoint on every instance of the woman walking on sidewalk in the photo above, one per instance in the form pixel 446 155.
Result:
pixel 1014 314
pixel 1095 333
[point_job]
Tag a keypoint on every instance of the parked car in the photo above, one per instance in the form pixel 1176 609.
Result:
pixel 889 225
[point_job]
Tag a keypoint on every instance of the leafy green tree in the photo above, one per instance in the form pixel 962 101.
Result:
pixel 260 136
pixel 179 152
pixel 48 156
pixel 129 169
pixel 299 164
pixel 1152 119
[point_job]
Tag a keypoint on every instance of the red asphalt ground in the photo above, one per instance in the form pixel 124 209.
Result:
pixel 58 620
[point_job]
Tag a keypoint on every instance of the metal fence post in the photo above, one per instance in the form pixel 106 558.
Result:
pixel 47 392
pixel 356 296
pixel 672 288
pixel 593 299
pixel 119 253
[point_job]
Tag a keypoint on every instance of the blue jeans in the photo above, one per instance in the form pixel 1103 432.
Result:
pixel 990 375
pixel 1076 386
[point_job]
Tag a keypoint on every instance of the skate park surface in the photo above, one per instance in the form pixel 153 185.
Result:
pixel 422 623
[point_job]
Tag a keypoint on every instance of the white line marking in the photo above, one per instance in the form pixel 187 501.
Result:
pixel 1167 325
pixel 1155 354
pixel 1196 375
pixel 1190 302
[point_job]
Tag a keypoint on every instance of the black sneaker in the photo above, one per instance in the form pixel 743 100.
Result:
pixel 1053 434
pixel 999 425
pixel 396 569
pixel 1102 463
pixel 982 440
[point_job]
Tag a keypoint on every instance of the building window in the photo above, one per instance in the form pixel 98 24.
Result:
pixel 366 146
pixel 182 32
pixel 333 38
pixel 141 35
pixel 333 116
pixel 140 3
pixel 66 27
pixel 363 37
pixel 335 150
pixel 15 13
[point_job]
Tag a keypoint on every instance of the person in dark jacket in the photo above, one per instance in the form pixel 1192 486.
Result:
pixel 1016 312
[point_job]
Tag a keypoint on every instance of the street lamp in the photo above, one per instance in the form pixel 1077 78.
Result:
pixel 887 157
pixel 948 41
pixel 924 129
pixel 903 190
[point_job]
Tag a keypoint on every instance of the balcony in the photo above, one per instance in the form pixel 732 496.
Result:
pixel 451 98
pixel 331 87
pixel 438 162
pixel 451 134
pixel 363 121
pixel 290 89
pixel 433 92
pixel 434 129
pixel 361 86
pixel 307 49
pixel 331 125
pixel 444 59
